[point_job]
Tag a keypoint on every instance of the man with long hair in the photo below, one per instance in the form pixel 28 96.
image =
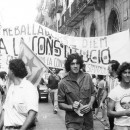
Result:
pixel 76 95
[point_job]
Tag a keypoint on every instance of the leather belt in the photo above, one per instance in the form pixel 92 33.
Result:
pixel 13 127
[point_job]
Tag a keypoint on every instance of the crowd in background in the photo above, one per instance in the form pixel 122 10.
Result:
pixel 98 93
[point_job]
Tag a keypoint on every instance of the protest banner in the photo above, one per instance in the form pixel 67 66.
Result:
pixel 53 47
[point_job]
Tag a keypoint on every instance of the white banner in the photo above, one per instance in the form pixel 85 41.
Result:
pixel 53 47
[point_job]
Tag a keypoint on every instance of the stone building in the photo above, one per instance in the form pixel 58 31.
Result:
pixel 90 18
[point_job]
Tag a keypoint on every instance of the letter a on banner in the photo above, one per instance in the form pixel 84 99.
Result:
pixel 34 65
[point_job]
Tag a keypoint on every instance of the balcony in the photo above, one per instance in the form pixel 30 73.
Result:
pixel 67 15
pixel 79 9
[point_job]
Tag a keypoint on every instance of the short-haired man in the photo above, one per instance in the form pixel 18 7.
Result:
pixel 53 81
pixel 21 104
pixel 76 95
pixel 111 82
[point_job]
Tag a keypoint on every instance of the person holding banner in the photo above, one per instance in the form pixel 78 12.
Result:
pixel 119 98
pixel 76 95
pixel 53 80
pixel 111 82
pixel 21 103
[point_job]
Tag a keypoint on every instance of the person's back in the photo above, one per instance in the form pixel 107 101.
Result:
pixel 21 104
pixel 52 82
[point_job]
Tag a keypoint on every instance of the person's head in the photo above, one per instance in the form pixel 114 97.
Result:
pixel 93 76
pixel 53 70
pixel 113 66
pixel 100 77
pixel 123 73
pixel 3 75
pixel 74 63
pixel 17 69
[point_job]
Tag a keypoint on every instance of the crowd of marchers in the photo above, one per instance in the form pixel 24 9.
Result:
pixel 80 94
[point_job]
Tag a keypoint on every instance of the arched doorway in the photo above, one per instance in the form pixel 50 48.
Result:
pixel 93 31
pixel 113 23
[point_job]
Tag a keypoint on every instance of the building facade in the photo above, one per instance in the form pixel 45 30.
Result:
pixel 90 18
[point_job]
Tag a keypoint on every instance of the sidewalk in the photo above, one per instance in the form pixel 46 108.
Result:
pixel 97 124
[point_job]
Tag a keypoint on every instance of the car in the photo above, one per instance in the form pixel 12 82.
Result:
pixel 43 92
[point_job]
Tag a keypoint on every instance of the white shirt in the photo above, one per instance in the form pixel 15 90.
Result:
pixel 112 82
pixel 20 99
pixel 122 102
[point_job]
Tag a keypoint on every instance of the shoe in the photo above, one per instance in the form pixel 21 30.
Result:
pixel 102 119
pixel 55 111
pixel 106 128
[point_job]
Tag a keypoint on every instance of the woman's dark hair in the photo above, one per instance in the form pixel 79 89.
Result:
pixel 70 58
pixel 17 66
pixel 3 75
pixel 124 66
pixel 93 76
pixel 114 64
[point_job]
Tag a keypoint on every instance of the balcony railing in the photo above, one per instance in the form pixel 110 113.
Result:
pixel 67 15
pixel 74 7
pixel 78 10
pixel 59 8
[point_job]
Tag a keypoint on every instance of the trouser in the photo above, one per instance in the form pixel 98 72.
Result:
pixel 54 98
pixel 111 122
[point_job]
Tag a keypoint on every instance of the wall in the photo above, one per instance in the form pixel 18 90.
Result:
pixel 100 17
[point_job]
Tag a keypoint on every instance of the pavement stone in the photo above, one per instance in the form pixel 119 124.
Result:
pixel 98 125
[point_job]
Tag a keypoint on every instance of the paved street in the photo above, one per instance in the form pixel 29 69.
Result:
pixel 49 121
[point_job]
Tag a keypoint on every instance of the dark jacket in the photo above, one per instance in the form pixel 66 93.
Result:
pixel 53 82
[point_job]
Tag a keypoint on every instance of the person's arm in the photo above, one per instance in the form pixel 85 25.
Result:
pixel 93 93
pixel 66 107
pixel 2 120
pixel 105 94
pixel 61 99
pixel 86 108
pixel 98 93
pixel 29 120
pixel 112 113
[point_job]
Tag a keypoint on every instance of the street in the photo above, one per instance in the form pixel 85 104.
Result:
pixel 49 121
